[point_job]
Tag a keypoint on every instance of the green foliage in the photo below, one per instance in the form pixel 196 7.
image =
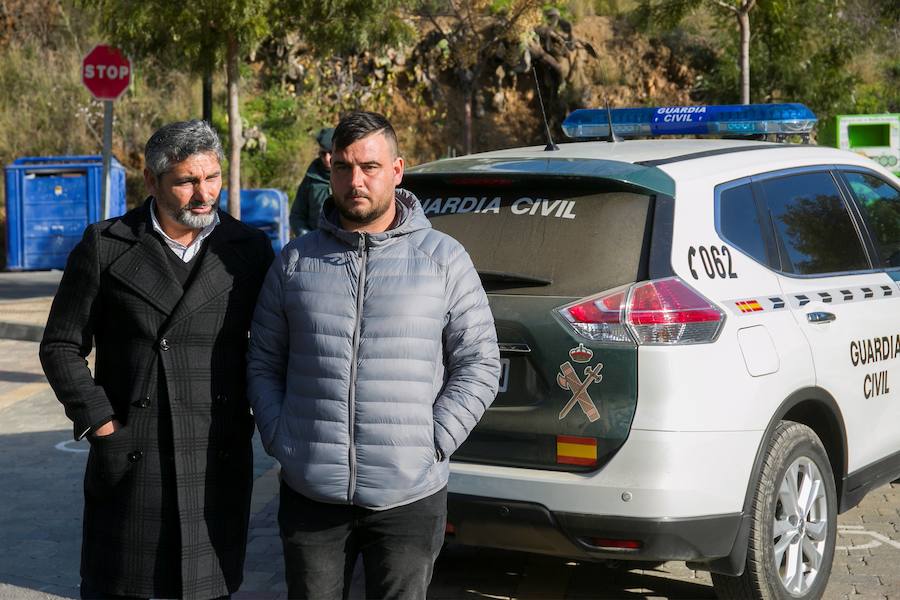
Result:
pixel 837 56
pixel 190 34
pixel 289 145
pixel 613 8
pixel 876 26
pixel 194 36
pixel 801 51
pixel 881 94
pixel 346 26
pixel 662 15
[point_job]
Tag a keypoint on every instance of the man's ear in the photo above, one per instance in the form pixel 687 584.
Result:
pixel 398 170
pixel 150 181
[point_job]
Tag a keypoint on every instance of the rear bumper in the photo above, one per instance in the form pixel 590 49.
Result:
pixel 531 527
pixel 657 475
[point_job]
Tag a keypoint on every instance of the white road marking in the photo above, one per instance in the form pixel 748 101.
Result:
pixel 877 538
pixel 65 447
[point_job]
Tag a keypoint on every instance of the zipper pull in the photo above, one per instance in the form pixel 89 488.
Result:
pixel 362 244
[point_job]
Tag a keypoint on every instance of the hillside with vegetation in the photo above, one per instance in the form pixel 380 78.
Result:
pixel 454 75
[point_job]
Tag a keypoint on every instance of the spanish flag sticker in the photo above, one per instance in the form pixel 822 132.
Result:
pixel 746 306
pixel 571 450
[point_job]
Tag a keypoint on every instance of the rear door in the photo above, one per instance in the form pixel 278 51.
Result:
pixel 564 403
pixel 847 308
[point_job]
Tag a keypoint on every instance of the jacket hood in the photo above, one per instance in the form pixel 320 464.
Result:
pixel 318 173
pixel 411 218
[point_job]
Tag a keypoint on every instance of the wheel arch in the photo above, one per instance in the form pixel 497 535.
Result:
pixel 818 410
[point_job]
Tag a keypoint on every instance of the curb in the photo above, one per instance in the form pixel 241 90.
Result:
pixel 21 332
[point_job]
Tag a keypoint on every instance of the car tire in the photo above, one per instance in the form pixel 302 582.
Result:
pixel 793 522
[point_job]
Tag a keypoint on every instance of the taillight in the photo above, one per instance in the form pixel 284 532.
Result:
pixel 599 318
pixel 658 312
pixel 669 311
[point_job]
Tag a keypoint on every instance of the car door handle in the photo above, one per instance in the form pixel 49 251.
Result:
pixel 820 317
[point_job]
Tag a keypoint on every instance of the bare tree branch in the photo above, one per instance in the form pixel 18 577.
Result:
pixel 726 6
pixel 431 17
pixel 473 26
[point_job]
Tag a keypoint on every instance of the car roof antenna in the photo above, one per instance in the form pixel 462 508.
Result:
pixel 613 138
pixel 550 147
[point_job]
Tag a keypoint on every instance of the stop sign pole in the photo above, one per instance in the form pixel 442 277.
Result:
pixel 107 153
pixel 106 73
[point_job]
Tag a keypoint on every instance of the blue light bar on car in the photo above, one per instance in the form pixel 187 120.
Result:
pixel 734 119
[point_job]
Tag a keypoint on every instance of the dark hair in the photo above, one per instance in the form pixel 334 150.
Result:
pixel 357 125
pixel 173 143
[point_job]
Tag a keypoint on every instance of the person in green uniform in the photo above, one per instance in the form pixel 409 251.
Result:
pixel 314 189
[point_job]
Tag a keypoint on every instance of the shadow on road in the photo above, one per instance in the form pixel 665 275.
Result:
pixel 41 502
pixel 463 572
pixel 40 517
pixel 40 512
pixel 28 284
pixel 21 377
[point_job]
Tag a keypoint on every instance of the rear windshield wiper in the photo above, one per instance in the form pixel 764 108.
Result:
pixel 514 278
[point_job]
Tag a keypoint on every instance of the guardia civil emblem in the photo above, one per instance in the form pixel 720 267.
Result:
pixel 569 380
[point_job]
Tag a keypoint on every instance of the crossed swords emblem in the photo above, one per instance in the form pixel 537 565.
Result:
pixel 568 379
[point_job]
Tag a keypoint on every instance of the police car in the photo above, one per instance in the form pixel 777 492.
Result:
pixel 700 340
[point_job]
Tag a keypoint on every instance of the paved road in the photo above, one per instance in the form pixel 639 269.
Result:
pixel 24 303
pixel 40 514
pixel 28 284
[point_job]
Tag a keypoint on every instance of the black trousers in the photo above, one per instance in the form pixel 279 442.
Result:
pixel 88 593
pixel 322 541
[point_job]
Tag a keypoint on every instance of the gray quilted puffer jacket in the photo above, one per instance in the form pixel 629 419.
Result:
pixel 372 357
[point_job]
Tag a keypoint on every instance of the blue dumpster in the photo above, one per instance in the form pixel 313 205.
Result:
pixel 49 203
pixel 266 209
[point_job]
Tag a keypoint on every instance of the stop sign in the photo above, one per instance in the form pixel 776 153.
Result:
pixel 106 72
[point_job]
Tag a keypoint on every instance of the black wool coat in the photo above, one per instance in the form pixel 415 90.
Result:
pixel 167 497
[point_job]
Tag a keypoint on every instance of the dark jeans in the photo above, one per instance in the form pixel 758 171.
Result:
pixel 398 545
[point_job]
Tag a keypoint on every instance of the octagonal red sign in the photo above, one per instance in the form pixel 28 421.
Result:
pixel 106 72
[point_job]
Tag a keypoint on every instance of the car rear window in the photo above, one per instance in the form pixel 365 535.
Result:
pixel 813 227
pixel 550 239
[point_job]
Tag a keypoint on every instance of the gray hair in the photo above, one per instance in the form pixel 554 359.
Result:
pixel 175 142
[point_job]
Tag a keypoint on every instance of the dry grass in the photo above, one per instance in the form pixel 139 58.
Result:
pixel 46 111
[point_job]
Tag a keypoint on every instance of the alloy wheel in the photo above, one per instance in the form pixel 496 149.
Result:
pixel 800 527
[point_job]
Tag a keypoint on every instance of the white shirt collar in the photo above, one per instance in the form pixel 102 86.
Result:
pixel 185 253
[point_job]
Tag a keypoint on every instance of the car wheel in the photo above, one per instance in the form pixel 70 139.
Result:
pixel 793 522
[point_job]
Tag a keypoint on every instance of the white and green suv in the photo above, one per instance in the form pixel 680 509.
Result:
pixel 700 339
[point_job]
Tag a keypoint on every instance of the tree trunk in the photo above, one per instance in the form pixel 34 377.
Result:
pixel 467 122
pixel 235 132
pixel 207 94
pixel 744 23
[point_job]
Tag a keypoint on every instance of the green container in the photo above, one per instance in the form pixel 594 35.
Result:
pixel 875 136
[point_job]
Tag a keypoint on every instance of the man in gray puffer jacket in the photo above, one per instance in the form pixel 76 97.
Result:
pixel 372 356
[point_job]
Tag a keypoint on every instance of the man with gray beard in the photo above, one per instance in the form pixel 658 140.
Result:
pixel 164 294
